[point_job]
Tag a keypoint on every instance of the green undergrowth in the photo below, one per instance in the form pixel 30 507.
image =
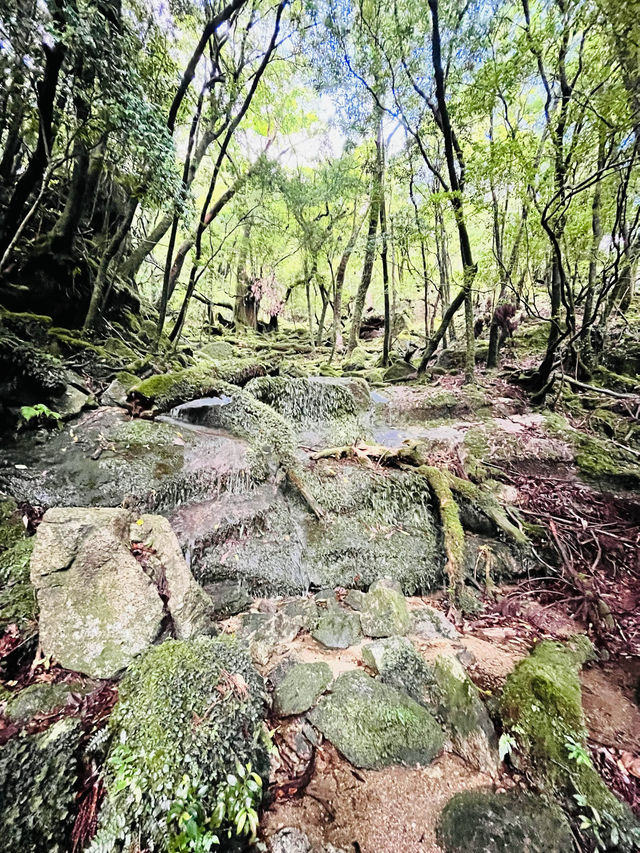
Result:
pixel 188 713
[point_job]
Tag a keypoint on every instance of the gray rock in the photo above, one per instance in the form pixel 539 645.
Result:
pixel 71 402
pixel 38 699
pixel 289 840
pixel 298 686
pixel 304 609
pixel 384 613
pixel 354 599
pixel 481 821
pixel 228 597
pixel 267 631
pixel 191 609
pixel 115 394
pixel 99 608
pixel 373 725
pixel 337 629
pixel 386 583
pixel 431 624
pixel 445 689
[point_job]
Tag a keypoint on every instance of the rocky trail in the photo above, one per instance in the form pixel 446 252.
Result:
pixel 279 551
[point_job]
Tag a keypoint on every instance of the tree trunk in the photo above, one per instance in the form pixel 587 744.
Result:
pixel 97 296
pixel 388 320
pixel 34 173
pixel 367 269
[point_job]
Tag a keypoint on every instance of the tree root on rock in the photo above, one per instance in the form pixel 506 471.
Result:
pixel 443 485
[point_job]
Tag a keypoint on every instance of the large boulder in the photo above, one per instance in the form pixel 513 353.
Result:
pixel 189 714
pixel 484 822
pixel 99 605
pixel 373 725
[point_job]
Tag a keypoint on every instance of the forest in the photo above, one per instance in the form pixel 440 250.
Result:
pixel 320 426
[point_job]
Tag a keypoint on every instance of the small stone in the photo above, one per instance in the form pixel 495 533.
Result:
pixel 297 687
pixel 431 624
pixel 354 599
pixel 337 629
pixel 303 609
pixel 228 597
pixel 289 840
pixel 477 821
pixel 38 699
pixel 385 613
pixel 266 631
pixel 374 726
pixel 386 583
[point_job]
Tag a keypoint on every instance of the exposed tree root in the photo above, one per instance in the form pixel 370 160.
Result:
pixel 443 485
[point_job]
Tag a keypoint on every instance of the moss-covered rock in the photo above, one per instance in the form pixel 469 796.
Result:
pixel 38 781
pixel 374 725
pixel 337 629
pixel 166 390
pixel 17 595
pixel 43 698
pixel 541 706
pixel 484 822
pixel 384 613
pixel 11 526
pixel 445 690
pixel 298 685
pixel 186 707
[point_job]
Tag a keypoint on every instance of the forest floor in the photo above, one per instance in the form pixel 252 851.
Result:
pixel 571 473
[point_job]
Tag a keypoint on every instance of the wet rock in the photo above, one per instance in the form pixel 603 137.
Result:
pixel 373 725
pixel 481 821
pixel 228 598
pixel 431 624
pixel 100 606
pixel 116 392
pixel 384 613
pixel 39 699
pixel 298 685
pixel 190 706
pixel 337 629
pixel 38 780
pixel 105 459
pixel 71 402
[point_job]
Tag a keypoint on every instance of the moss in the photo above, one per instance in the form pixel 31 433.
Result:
pixel 38 780
pixel 166 390
pixel 374 725
pixel 531 339
pixel 185 707
pixel 541 705
pixel 597 458
pixel 451 527
pixel 384 613
pixel 478 821
pixel 72 342
pixel 17 596
pixel 11 527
